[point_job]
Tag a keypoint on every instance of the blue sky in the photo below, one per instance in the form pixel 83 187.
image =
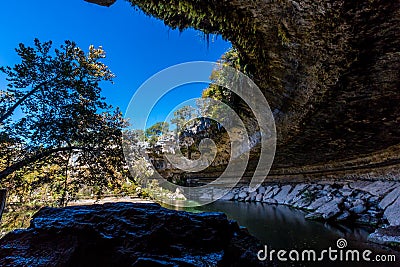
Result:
pixel 137 46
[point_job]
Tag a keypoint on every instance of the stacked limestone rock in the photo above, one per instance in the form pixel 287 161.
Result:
pixel 373 203
pixel 363 202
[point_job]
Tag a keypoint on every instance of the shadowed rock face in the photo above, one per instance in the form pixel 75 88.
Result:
pixel 106 3
pixel 329 69
pixel 127 234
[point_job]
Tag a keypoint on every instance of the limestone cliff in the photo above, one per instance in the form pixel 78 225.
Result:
pixel 329 69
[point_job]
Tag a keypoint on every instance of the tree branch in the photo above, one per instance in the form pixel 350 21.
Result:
pixel 11 110
pixel 25 162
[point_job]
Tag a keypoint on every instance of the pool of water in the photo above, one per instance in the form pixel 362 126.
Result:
pixel 282 227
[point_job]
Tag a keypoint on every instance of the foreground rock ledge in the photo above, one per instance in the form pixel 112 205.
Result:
pixel 389 236
pixel 128 234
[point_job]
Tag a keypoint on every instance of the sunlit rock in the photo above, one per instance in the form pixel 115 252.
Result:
pixel 392 213
pixel 390 198
pixel 282 195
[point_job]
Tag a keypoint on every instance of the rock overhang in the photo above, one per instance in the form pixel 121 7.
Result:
pixel 331 69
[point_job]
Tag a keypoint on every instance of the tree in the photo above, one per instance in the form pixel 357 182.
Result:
pixel 157 129
pixel 64 120
pixel 182 116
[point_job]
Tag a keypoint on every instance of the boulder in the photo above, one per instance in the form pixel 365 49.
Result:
pixel 359 185
pixel 253 195
pixel 346 191
pixel 261 190
pixel 360 208
pixel 392 213
pixel 365 219
pixel 235 190
pixel 327 188
pixel 242 194
pixel 390 198
pixel 259 197
pixel 128 234
pixel 357 202
pixel 323 193
pixel 346 187
pixel 330 209
pixel 378 188
pixel 318 203
pixel 297 190
pixel 347 205
pixel 228 197
pixel 316 216
pixel 343 217
pixel 300 202
pixel 373 200
pixel 244 189
pixel 374 212
pixel 268 189
pixel 389 236
pixel 272 192
pixel 283 193
pixel 270 201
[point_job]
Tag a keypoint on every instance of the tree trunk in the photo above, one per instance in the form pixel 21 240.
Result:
pixel 3 194
pixel 64 201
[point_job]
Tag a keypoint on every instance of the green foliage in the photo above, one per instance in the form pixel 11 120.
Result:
pixel 230 58
pixel 210 18
pixel 67 136
pixel 154 191
pixel 221 76
pixel 309 196
pixel 18 217
pixel 182 116
pixel 157 129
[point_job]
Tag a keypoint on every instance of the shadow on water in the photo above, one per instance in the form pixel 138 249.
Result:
pixel 282 227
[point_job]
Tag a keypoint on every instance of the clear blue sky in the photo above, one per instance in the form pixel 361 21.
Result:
pixel 137 46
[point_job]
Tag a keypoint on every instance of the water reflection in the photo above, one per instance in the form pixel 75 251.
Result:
pixel 282 227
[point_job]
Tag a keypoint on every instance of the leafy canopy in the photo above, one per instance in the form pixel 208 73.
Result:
pixel 64 119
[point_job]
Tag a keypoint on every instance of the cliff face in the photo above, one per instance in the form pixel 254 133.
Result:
pixel 329 69
pixel 106 3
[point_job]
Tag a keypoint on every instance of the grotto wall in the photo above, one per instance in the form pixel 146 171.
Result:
pixel 330 71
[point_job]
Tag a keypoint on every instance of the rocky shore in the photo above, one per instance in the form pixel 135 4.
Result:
pixel 360 202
